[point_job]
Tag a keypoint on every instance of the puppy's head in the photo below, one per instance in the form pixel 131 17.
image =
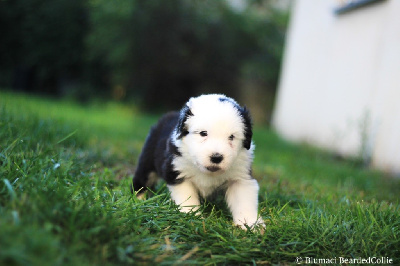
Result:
pixel 212 130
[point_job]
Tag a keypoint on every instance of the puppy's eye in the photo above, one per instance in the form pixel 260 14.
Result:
pixel 231 137
pixel 203 133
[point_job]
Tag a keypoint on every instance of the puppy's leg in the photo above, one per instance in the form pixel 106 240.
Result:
pixel 242 199
pixel 145 166
pixel 185 195
pixel 146 162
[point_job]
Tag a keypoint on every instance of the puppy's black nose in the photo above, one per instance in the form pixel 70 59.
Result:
pixel 216 158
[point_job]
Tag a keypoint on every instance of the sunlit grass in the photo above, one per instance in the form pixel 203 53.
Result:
pixel 65 172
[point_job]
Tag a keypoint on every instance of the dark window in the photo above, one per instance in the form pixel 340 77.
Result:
pixel 350 5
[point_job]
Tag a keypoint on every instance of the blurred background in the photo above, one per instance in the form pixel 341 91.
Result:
pixel 339 83
pixel 154 53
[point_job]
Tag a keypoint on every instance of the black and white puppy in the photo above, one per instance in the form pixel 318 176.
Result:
pixel 204 147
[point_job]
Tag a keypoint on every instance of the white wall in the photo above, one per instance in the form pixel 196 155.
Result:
pixel 340 83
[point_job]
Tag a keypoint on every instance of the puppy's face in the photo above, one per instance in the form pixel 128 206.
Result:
pixel 213 129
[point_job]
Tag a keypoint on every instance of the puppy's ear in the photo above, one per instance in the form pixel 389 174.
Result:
pixel 181 128
pixel 248 127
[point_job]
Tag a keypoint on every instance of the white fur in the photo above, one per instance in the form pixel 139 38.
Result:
pixel 185 195
pixel 220 120
pixel 242 199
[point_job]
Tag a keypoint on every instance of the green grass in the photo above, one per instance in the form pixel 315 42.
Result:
pixel 65 172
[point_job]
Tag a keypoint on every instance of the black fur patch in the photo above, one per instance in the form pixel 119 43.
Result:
pixel 169 174
pixel 173 149
pixel 167 169
pixel 226 99
pixel 248 128
pixel 245 114
pixel 181 127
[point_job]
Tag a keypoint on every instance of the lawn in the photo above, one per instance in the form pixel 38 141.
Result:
pixel 65 173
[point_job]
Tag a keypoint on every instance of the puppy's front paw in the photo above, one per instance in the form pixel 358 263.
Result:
pixel 141 195
pixel 258 223
pixel 193 208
